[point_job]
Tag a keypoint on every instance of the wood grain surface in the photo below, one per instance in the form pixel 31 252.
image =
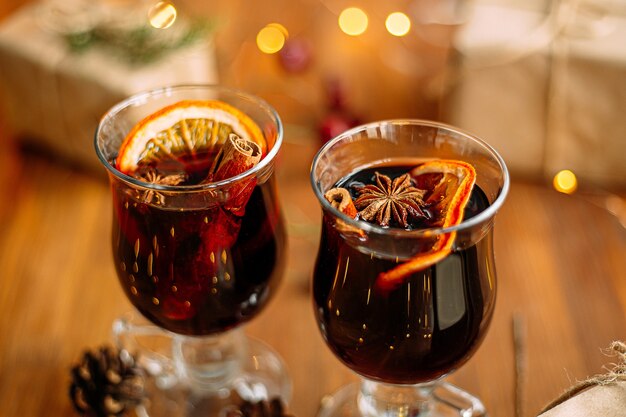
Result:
pixel 561 264
pixel 560 261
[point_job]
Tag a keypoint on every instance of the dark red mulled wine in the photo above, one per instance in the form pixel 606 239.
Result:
pixel 196 271
pixel 423 328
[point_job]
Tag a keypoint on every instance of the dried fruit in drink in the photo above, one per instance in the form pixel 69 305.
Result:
pixel 340 199
pixel 183 129
pixel 448 186
pixel 390 201
pixel 187 143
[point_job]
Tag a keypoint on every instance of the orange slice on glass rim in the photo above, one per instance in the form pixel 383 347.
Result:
pixel 184 128
pixel 449 184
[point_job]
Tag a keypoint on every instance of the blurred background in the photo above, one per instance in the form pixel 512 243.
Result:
pixel 542 81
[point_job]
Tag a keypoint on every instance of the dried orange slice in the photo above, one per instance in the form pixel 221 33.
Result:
pixel 449 185
pixel 185 128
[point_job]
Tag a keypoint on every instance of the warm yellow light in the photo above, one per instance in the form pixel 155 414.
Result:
pixel 398 24
pixel 280 27
pixel 565 181
pixel 162 15
pixel 353 21
pixel 271 38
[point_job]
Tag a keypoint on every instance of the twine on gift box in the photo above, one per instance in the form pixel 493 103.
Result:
pixel 614 375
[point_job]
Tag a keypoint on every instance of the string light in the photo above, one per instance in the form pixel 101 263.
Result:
pixel 162 15
pixel 565 181
pixel 271 38
pixel 280 27
pixel 398 24
pixel 353 21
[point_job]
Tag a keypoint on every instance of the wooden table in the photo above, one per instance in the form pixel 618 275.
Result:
pixel 560 263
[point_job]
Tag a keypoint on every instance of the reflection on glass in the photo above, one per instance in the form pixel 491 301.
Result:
pixel 403 335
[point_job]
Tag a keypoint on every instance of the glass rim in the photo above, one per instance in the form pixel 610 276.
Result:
pixel 144 96
pixel 480 218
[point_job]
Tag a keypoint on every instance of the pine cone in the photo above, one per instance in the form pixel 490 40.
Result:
pixel 106 382
pixel 273 408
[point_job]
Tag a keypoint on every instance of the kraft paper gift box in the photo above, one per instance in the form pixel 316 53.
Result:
pixel 548 91
pixel 598 396
pixel 54 96
pixel 599 401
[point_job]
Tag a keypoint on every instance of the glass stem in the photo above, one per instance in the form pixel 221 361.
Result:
pixel 211 362
pixel 377 399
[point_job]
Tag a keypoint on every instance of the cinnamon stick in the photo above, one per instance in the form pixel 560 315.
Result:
pixel 236 156
pixel 341 199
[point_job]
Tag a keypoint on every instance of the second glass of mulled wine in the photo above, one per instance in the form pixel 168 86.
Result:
pixel 198 238
pixel 404 285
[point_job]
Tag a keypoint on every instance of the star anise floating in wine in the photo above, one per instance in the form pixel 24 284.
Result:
pixel 390 200
pixel 433 194
pixel 153 177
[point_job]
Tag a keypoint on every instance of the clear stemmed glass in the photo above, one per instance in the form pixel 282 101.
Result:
pixel 196 264
pixel 403 341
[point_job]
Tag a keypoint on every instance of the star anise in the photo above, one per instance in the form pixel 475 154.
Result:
pixel 152 177
pixel 387 199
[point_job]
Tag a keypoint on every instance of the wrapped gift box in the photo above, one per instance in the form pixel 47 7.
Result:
pixel 546 90
pixel 54 96
pixel 599 401
pixel 601 395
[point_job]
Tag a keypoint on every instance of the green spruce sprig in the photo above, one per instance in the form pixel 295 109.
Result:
pixel 138 45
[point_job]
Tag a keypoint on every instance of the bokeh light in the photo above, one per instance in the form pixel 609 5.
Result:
pixel 353 21
pixel 565 181
pixel 162 15
pixel 398 24
pixel 280 27
pixel 271 38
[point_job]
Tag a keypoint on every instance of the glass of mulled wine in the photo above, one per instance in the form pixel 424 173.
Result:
pixel 404 285
pixel 198 238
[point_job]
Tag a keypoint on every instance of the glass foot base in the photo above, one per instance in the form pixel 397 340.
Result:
pixel 443 400
pixel 176 386
pixel 262 377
